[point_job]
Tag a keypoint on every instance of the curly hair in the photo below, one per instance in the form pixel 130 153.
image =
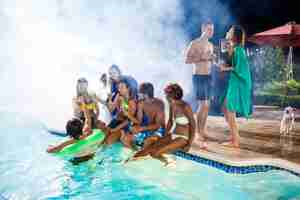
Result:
pixel 74 128
pixel 148 89
pixel 133 91
pixel 174 91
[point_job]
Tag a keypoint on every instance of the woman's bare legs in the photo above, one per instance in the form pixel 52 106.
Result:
pixel 127 139
pixel 225 111
pixel 173 145
pixel 230 118
pixel 149 148
pixel 112 137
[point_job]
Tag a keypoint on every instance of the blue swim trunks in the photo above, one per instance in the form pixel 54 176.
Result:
pixel 142 136
pixel 202 85
pixel 114 123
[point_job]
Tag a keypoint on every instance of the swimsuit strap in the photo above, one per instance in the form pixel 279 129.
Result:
pixel 182 120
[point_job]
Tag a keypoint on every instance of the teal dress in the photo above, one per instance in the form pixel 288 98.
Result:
pixel 238 93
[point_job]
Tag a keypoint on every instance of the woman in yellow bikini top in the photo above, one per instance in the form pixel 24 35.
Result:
pixel 89 100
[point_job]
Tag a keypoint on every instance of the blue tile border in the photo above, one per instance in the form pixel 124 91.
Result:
pixel 229 168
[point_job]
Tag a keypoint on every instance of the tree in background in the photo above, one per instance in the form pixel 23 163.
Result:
pixel 272 79
pixel 268 66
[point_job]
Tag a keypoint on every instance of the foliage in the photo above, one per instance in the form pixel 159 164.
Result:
pixel 268 65
pixel 290 87
pixel 277 100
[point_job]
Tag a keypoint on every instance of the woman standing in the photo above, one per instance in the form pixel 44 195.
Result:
pixel 237 97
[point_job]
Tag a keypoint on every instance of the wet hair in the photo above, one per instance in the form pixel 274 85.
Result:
pixel 74 128
pixel 132 90
pixel 239 34
pixel 174 91
pixel 148 89
pixel 116 68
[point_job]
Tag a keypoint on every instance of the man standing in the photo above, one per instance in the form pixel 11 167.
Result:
pixel 200 54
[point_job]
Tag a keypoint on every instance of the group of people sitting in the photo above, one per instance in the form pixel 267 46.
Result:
pixel 137 117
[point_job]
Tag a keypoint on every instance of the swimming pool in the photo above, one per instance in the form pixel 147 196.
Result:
pixel 28 172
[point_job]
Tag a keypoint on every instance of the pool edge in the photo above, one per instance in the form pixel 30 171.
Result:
pixel 241 166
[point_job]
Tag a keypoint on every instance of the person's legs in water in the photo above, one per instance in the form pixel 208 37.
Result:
pixel 127 139
pixel 113 137
pixel 145 151
pixel 173 145
pixel 110 136
pixel 150 141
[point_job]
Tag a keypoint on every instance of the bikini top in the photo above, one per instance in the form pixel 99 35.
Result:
pixel 125 105
pixel 182 120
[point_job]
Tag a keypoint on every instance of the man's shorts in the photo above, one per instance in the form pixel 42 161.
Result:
pixel 142 136
pixel 114 123
pixel 202 85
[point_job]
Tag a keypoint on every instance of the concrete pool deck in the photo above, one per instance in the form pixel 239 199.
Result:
pixel 261 142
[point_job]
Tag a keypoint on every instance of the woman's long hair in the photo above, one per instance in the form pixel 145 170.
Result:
pixel 239 34
pixel 133 91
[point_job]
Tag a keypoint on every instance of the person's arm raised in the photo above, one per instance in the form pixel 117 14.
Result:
pixel 190 53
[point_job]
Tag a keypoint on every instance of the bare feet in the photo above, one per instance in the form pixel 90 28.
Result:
pixel 203 145
pixel 202 141
pixel 231 144
pixel 171 163
pixel 202 134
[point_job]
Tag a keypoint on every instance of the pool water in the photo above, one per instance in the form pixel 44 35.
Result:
pixel 28 172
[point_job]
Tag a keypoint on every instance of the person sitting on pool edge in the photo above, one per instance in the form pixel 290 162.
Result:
pixel 90 102
pixel 151 117
pixel 184 133
pixel 76 129
pixel 125 106
pixel 115 77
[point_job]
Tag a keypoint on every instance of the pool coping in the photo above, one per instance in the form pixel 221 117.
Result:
pixel 240 166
